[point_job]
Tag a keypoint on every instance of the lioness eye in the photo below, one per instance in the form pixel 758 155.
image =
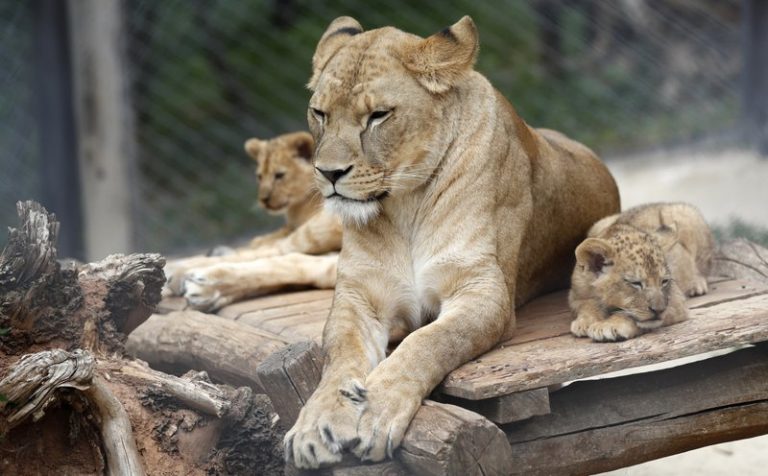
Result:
pixel 279 175
pixel 319 115
pixel 378 116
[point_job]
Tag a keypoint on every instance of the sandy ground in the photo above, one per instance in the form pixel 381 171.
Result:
pixel 723 184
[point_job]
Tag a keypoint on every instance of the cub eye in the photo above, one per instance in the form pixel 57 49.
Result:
pixel 279 175
pixel 378 117
pixel 634 284
pixel 319 115
pixel 665 282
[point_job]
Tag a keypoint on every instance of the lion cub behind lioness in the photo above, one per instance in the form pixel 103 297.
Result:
pixel 634 268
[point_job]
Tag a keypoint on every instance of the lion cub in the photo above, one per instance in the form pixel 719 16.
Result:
pixel 634 267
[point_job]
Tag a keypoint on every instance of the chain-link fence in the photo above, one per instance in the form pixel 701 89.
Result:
pixel 205 75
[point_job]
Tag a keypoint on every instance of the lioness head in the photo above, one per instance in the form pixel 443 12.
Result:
pixel 377 110
pixel 284 170
pixel 629 274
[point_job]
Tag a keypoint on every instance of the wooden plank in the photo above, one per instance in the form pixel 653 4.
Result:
pixel 255 318
pixel 607 424
pixel 508 408
pixel 233 311
pixel 441 439
pixel 541 363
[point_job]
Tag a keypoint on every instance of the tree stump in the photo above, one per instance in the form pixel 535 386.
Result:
pixel 70 402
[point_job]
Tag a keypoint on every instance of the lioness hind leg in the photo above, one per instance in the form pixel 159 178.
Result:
pixel 615 328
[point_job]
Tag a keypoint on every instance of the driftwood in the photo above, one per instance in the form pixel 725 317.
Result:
pixel 70 402
pixel 441 440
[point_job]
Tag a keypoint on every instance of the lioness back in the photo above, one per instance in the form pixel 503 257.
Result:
pixel 682 233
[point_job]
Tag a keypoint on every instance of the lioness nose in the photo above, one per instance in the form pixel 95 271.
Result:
pixel 334 175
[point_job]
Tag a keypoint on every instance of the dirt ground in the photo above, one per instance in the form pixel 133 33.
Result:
pixel 723 184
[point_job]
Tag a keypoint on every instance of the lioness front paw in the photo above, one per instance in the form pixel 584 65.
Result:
pixel 387 410
pixel 326 426
pixel 615 328
pixel 200 288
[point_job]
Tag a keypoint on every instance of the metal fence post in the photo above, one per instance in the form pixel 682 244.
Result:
pixel 755 15
pixel 60 182
pixel 106 139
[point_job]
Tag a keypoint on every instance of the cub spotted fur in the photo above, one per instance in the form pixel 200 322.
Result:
pixel 621 286
pixel 634 268
pixel 683 234
pixel 286 187
pixel 454 212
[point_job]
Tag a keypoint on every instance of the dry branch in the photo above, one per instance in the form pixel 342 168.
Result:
pixel 31 384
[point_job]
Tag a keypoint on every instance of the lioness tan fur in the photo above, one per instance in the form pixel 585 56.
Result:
pixel 455 211
pixel 683 234
pixel 286 187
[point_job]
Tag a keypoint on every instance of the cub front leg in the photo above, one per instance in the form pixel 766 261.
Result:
pixel 354 342
pixel 469 324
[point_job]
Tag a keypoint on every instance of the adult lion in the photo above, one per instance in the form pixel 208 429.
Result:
pixel 454 210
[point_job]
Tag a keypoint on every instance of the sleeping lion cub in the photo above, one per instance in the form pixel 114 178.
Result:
pixel 633 270
pixel 454 213
pixel 280 258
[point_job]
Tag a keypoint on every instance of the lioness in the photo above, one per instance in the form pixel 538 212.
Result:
pixel 286 187
pixel 454 212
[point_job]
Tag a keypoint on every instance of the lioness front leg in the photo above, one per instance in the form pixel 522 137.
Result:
pixel 354 342
pixel 470 323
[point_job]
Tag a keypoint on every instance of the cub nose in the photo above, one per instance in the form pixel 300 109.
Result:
pixel 334 175
pixel 656 311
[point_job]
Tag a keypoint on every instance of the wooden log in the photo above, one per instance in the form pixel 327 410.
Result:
pixel 617 422
pixel 508 408
pixel 442 439
pixel 289 376
pixel 189 340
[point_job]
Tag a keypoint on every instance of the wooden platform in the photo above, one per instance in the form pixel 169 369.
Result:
pixel 605 423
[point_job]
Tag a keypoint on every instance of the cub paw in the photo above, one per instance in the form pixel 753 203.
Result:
pixel 698 287
pixel 579 327
pixel 615 328
pixel 326 426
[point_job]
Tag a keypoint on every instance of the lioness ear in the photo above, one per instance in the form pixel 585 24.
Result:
pixel 440 60
pixel 338 33
pixel 253 148
pixel 303 143
pixel 594 254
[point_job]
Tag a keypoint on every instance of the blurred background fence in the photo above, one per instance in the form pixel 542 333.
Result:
pixel 194 78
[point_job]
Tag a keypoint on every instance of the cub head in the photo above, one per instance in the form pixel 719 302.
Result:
pixel 628 274
pixel 377 112
pixel 284 169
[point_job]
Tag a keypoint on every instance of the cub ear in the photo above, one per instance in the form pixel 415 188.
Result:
pixel 442 59
pixel 667 235
pixel 594 254
pixel 303 143
pixel 253 148
pixel 336 35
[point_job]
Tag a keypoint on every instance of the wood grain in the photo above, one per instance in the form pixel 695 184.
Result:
pixel 540 363
pixel 607 424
